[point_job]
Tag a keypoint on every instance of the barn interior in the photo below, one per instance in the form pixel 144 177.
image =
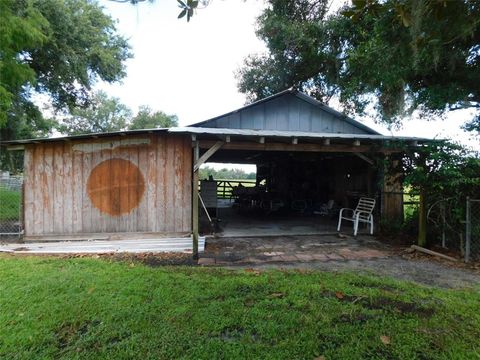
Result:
pixel 295 193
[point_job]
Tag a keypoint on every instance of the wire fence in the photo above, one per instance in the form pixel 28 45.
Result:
pixel 454 225
pixel 472 230
pixel 11 204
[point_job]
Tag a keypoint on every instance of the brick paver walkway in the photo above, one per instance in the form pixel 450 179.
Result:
pixel 291 249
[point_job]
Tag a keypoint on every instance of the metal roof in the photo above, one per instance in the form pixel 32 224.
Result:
pixel 224 132
pixel 289 134
pixel 82 136
pixel 301 96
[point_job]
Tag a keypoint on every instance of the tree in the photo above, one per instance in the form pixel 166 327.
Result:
pixel 442 171
pixel 146 118
pixel 187 7
pixel 397 56
pixel 104 114
pixel 20 28
pixel 233 174
pixel 55 47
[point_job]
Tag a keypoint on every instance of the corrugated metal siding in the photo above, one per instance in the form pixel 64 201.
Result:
pixel 286 113
pixel 63 195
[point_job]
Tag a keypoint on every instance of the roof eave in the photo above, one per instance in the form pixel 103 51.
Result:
pixel 291 134
pixel 81 136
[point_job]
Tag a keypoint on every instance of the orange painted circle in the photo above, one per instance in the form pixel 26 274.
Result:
pixel 116 186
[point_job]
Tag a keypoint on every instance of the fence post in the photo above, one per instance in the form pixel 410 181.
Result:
pixel 442 210
pixel 468 230
pixel 422 219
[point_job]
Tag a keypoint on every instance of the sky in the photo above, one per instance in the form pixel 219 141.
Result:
pixel 188 69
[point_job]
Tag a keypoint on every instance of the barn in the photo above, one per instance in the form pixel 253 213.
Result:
pixel 145 183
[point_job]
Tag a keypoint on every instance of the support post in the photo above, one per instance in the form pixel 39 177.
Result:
pixel 196 153
pixel 468 230
pixel 442 211
pixel 199 161
pixel 422 219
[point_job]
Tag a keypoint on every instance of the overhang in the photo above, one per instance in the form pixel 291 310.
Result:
pixel 13 143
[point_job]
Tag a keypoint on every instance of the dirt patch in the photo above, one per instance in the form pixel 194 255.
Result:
pixel 383 303
pixel 70 332
pixel 424 272
pixel 372 285
pixel 354 319
pixel 149 259
pixel 159 259
pixel 460 264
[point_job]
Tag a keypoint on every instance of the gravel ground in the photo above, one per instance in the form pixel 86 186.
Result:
pixel 353 254
pixel 426 272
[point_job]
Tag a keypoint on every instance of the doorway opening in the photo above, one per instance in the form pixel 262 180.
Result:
pixel 291 193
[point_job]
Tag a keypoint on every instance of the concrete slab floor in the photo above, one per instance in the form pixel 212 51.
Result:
pixel 232 223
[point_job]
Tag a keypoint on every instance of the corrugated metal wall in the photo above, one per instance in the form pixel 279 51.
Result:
pixel 119 184
pixel 288 113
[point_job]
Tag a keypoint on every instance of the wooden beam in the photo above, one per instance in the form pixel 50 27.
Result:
pixel 433 253
pixel 212 150
pixel 15 147
pixel 299 147
pixel 196 153
pixel 365 158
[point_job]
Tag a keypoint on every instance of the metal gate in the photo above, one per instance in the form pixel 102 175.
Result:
pixel 472 231
pixel 11 211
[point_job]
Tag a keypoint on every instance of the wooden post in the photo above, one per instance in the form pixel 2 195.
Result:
pixel 392 204
pixel 422 220
pixel 196 152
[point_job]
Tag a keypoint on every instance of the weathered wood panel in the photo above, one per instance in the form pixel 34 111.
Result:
pixel 120 184
pixel 37 184
pixel 67 200
pixel 187 174
pixel 57 179
pixel 29 187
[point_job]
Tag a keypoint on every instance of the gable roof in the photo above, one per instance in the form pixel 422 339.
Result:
pixel 289 110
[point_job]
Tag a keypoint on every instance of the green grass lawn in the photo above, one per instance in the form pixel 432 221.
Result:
pixel 9 204
pixel 97 309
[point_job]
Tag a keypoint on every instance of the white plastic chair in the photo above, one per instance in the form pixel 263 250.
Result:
pixel 362 213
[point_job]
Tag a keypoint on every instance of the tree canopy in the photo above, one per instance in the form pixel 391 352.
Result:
pixel 104 114
pixel 107 114
pixel 59 48
pixel 224 173
pixel 146 118
pixel 395 56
